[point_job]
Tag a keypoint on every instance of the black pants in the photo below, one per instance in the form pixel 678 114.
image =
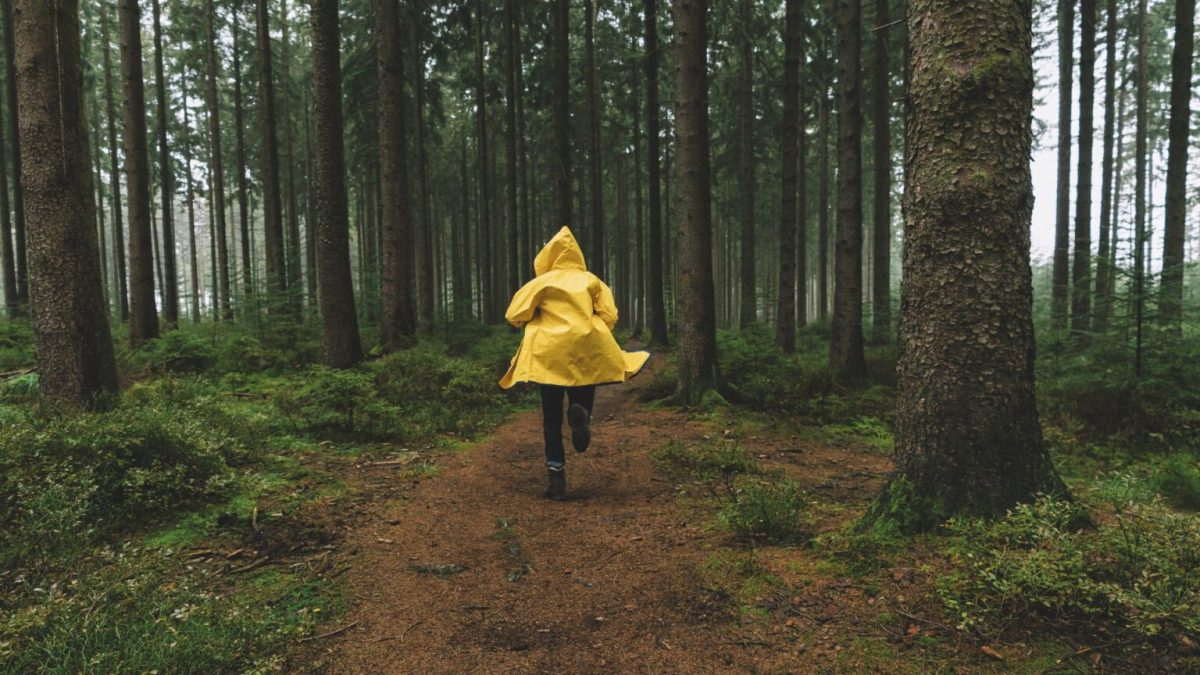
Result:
pixel 552 416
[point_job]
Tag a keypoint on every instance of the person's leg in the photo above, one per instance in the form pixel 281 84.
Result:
pixel 580 415
pixel 552 421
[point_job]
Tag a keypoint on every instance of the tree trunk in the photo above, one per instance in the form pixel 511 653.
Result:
pixel 846 356
pixel 823 200
pixel 749 294
pixel 1170 303
pixel 14 137
pixel 1107 210
pixel 1081 278
pixel 239 123
pixel 143 319
pixel 121 285
pixel 487 263
pixel 272 206
pixel 398 320
pixel 697 349
pixel 967 434
pixel 425 234
pixel 881 217
pixel 170 284
pixel 191 198
pixel 656 302
pixel 75 361
pixel 1062 229
pixel 1139 210
pixel 785 314
pixel 596 196
pixel 295 282
pixel 218 167
pixel 560 161
pixel 8 265
pixel 802 192
pixel 639 304
pixel 335 287
pixel 510 156
pixel 97 169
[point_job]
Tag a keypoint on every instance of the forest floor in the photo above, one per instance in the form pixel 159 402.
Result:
pixel 467 568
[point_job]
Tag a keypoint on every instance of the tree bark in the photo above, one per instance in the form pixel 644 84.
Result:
pixel 1081 278
pixel 272 203
pixel 697 349
pixel 75 361
pixel 8 263
pixel 487 263
pixel 599 261
pixel 1060 291
pixel 218 167
pixel 823 200
pixel 14 136
pixel 398 320
pixel 191 198
pixel 639 303
pixel 881 216
pixel 1170 303
pixel 335 287
pixel 1139 200
pixel 785 314
pixel 239 123
pixel 143 313
pixel 511 159
pixel 425 234
pixel 802 192
pixel 170 285
pixel 967 434
pixel 1107 212
pixel 749 287
pixel 560 161
pixel 846 356
pixel 656 301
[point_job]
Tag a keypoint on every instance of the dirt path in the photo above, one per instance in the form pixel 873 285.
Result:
pixel 474 571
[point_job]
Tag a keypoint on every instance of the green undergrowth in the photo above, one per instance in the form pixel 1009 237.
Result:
pixel 228 439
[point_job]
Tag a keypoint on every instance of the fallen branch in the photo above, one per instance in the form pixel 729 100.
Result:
pixel 331 633
pixel 254 565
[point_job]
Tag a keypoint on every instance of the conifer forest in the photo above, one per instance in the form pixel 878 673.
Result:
pixel 878 321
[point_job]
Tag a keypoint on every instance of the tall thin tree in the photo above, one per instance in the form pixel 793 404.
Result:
pixel 170 286
pixel 1081 277
pixel 881 160
pixel 595 190
pixel 114 175
pixel 1170 302
pixel 143 312
pixel 697 349
pixel 272 202
pixel 560 161
pixel 1141 157
pixel 217 163
pixel 240 152
pixel 339 323
pixel 785 315
pixel 1107 210
pixel 1061 271
pixel 846 356
pixel 746 163
pixel 654 286
pixel 14 139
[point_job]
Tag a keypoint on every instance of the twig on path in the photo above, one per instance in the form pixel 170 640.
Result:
pixel 16 373
pixel 331 633
pixel 931 622
pixel 254 565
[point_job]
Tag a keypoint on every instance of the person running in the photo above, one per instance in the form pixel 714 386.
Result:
pixel 568 348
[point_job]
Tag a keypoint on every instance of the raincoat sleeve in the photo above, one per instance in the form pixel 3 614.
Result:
pixel 524 304
pixel 604 305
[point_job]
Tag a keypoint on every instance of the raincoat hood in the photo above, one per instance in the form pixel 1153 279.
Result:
pixel 568 315
pixel 562 252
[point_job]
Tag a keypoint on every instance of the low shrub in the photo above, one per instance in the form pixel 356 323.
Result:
pixel 16 345
pixel 1138 576
pixel 705 461
pixel 771 512
pixel 1178 481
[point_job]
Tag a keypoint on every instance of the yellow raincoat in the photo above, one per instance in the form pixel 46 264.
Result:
pixel 568 315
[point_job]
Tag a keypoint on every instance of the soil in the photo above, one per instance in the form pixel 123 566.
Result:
pixel 474 571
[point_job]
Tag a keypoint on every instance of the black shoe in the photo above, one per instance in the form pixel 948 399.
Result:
pixel 581 427
pixel 557 489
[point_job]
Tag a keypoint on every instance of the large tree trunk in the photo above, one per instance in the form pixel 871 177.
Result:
pixel 170 285
pixel 697 349
pixel 881 216
pixel 1061 272
pixel 967 434
pixel 218 167
pixel 1170 303
pixel 14 137
pixel 398 320
pixel 143 314
pixel 785 315
pixel 749 284
pixel 1107 212
pixel 596 193
pixel 272 204
pixel 74 347
pixel 1081 278
pixel 335 287
pixel 846 356
pixel 560 160
pixel 656 302
pixel 239 123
